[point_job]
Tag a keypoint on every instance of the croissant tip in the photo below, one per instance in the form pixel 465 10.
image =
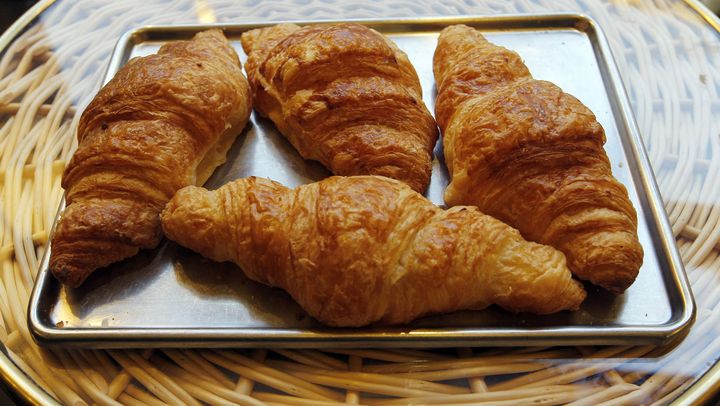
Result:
pixel 612 279
pixel 617 287
pixel 69 275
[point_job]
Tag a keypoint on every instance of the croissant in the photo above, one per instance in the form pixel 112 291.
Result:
pixel 343 95
pixel 163 122
pixel 532 156
pixel 359 250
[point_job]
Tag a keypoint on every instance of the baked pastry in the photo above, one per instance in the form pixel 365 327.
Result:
pixel 365 249
pixel 343 95
pixel 531 155
pixel 163 122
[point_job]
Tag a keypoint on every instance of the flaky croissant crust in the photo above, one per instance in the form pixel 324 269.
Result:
pixel 163 122
pixel 531 155
pixel 364 249
pixel 343 95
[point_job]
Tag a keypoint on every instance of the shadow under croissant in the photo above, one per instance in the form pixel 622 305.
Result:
pixel 143 276
pixel 268 306
pixel 227 279
pixel 207 278
pixel 99 288
pixel 243 159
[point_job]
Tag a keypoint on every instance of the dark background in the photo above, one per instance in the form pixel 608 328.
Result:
pixel 10 10
pixel 8 398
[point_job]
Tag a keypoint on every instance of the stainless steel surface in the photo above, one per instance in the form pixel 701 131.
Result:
pixel 173 297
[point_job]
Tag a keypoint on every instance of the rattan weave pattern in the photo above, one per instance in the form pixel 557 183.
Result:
pixel 669 63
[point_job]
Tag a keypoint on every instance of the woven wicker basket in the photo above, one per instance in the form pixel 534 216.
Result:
pixel 669 61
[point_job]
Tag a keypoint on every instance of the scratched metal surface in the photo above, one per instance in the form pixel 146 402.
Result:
pixel 173 297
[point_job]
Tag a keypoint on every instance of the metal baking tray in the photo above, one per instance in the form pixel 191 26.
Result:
pixel 173 297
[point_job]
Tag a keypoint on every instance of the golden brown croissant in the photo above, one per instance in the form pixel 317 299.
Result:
pixel 343 95
pixel 358 250
pixel 531 155
pixel 163 122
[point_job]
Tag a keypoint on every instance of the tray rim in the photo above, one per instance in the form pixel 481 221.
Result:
pixel 49 336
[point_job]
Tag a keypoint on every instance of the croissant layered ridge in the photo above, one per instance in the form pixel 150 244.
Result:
pixel 531 155
pixel 368 249
pixel 163 122
pixel 343 95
